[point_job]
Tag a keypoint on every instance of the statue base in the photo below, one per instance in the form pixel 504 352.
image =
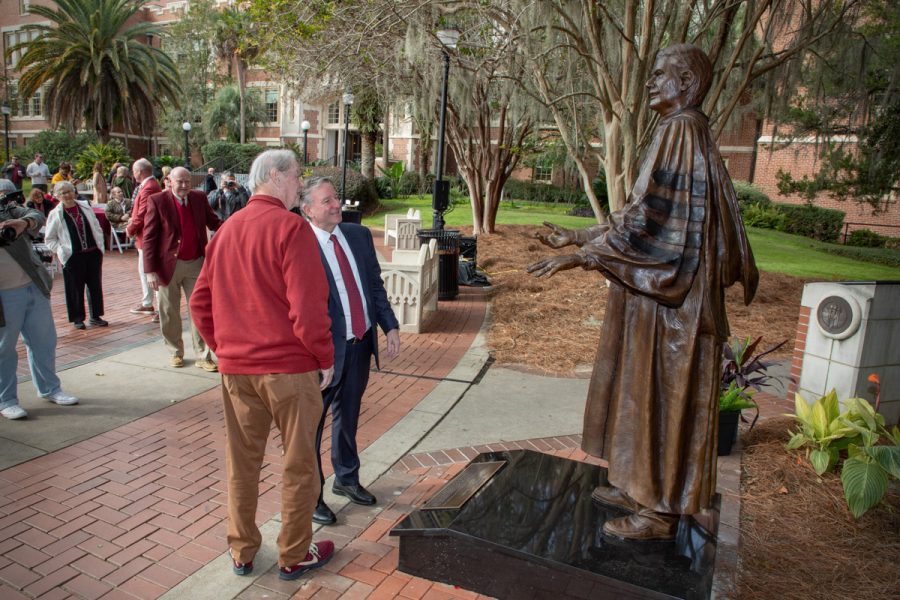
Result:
pixel 521 524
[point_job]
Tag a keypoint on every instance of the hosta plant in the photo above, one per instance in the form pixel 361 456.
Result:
pixel 872 452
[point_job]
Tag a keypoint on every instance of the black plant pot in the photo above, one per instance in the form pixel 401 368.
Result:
pixel 728 427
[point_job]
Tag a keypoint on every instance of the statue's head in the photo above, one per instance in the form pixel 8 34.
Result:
pixel 680 78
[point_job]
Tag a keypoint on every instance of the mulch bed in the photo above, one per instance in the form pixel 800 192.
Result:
pixel 798 539
pixel 552 325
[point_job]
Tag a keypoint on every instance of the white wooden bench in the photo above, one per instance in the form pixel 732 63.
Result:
pixel 412 285
pixel 392 222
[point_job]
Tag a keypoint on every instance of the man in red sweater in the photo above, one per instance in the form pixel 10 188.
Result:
pixel 175 224
pixel 261 304
pixel 147 186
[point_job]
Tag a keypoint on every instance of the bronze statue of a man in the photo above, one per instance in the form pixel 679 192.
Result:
pixel 669 254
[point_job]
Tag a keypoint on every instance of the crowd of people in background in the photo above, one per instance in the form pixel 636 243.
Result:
pixel 306 349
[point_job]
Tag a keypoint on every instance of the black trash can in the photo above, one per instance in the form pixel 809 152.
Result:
pixel 448 260
pixel 351 215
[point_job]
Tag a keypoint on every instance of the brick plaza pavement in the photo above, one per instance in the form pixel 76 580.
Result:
pixel 134 511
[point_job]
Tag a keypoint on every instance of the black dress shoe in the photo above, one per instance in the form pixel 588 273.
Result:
pixel 324 515
pixel 357 493
pixel 78 324
pixel 99 323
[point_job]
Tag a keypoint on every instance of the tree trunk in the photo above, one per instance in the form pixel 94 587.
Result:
pixel 242 92
pixel 367 155
pixel 386 139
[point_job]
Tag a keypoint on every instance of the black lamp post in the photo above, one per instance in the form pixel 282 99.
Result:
pixel 187 148
pixel 440 198
pixel 348 103
pixel 6 110
pixel 305 127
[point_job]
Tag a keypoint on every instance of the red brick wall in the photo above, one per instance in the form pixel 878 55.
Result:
pixel 799 348
pixel 801 159
pixel 399 148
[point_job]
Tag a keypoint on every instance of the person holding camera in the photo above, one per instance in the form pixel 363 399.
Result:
pixel 229 198
pixel 25 309
pixel 74 234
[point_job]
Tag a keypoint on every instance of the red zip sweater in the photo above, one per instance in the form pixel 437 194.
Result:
pixel 261 302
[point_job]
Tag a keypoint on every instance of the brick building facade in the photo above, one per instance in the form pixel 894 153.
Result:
pixel 747 148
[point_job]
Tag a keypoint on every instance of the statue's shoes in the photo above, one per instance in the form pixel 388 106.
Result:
pixel 645 525
pixel 613 496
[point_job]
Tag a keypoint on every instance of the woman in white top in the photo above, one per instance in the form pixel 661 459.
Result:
pixel 74 234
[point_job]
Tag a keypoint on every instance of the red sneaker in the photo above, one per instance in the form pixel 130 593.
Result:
pixel 241 568
pixel 319 554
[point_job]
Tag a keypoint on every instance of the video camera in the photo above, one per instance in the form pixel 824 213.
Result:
pixel 8 234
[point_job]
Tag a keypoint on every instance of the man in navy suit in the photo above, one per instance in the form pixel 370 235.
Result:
pixel 357 303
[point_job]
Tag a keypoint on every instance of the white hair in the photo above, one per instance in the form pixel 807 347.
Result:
pixel 142 165
pixel 265 163
pixel 62 185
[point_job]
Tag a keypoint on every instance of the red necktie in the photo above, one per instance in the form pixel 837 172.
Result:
pixel 357 318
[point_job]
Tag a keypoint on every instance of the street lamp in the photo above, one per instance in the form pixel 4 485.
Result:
pixel 187 148
pixel 6 110
pixel 440 198
pixel 348 102
pixel 305 127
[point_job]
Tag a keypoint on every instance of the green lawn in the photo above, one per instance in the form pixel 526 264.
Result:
pixel 803 257
pixel 774 251
pixel 517 213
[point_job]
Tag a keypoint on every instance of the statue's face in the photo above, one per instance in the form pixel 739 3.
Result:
pixel 668 89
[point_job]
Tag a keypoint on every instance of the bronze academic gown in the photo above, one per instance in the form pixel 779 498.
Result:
pixel 652 407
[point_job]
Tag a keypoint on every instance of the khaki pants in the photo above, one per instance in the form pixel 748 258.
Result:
pixel 184 278
pixel 251 403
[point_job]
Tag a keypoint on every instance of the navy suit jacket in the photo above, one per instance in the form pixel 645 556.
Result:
pixel 380 314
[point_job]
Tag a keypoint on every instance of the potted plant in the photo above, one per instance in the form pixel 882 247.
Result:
pixel 743 374
pixel 731 402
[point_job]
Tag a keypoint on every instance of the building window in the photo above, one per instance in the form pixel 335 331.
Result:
pixel 23 6
pixel 26 107
pixel 543 173
pixel 334 114
pixel 10 39
pixel 270 97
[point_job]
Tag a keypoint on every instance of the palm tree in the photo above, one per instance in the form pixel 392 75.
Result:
pixel 367 115
pixel 222 114
pixel 97 68
pixel 235 33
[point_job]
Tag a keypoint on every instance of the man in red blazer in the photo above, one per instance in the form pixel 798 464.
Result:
pixel 175 224
pixel 147 186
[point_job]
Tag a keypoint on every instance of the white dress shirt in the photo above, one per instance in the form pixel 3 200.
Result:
pixel 327 246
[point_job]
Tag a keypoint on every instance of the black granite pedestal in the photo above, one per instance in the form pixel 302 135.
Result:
pixel 532 531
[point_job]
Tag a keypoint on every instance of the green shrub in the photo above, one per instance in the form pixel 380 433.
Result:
pixel 359 189
pixel 764 217
pixel 530 191
pixel 749 195
pixel 879 256
pixel 57 147
pixel 228 156
pixel 107 154
pixel 866 238
pixel 383 187
pixel 822 224
pixel 167 160
pixel 412 183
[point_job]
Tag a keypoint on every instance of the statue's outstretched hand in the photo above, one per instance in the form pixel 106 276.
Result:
pixel 547 267
pixel 559 237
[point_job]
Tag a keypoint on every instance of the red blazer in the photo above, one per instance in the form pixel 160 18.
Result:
pixel 162 230
pixel 135 229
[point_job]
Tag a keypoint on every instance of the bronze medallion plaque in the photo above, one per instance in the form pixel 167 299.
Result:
pixel 834 315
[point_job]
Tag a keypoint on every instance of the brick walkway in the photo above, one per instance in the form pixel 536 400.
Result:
pixel 134 511
pixel 121 293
